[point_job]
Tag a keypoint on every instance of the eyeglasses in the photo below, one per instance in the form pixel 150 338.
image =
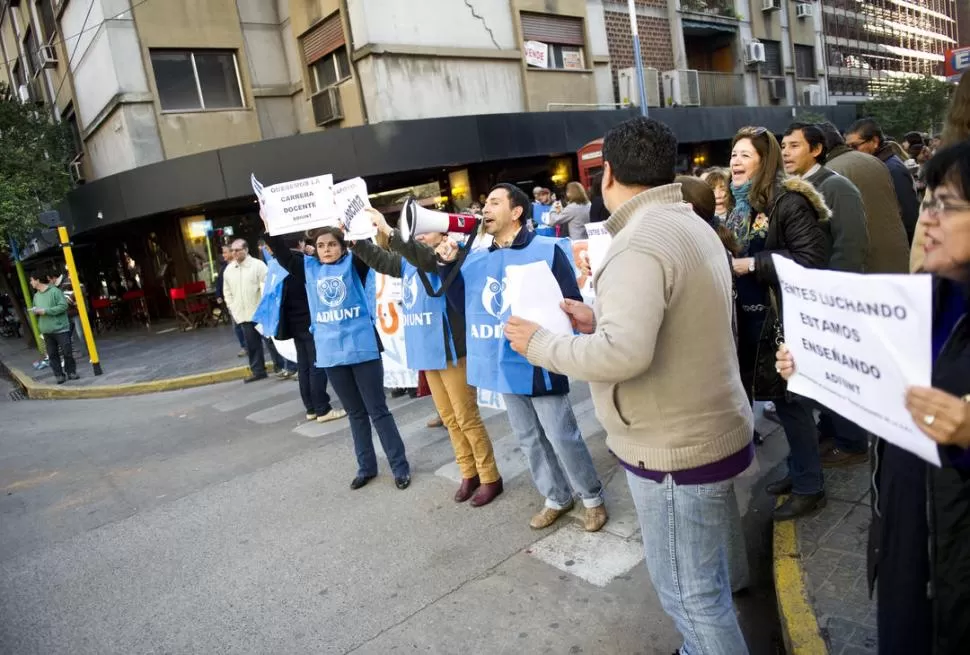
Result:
pixel 237 250
pixel 939 206
pixel 855 145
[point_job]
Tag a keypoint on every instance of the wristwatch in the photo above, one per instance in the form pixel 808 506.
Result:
pixel 751 266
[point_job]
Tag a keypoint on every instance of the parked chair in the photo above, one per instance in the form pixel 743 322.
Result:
pixel 137 306
pixel 190 305
pixel 105 315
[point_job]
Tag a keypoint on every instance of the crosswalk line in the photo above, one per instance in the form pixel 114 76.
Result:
pixel 278 412
pixel 254 394
pixel 314 430
pixel 508 453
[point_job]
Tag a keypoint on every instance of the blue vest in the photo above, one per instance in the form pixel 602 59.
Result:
pixel 539 212
pixel 267 312
pixel 424 318
pixel 340 316
pixel 492 364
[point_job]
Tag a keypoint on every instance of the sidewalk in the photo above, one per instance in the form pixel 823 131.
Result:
pixel 135 361
pixel 829 559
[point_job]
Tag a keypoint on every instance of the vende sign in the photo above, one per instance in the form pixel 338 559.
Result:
pixel 537 54
pixel 957 61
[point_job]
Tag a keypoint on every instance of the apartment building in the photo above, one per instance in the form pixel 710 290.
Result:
pixel 870 43
pixel 744 52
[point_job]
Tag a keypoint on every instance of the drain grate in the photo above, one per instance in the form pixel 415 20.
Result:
pixel 19 394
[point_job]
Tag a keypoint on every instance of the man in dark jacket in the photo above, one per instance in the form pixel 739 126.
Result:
pixel 866 136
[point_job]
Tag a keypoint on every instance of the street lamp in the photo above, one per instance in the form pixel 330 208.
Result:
pixel 636 54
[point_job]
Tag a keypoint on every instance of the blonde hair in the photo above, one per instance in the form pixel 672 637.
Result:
pixel 576 193
pixel 957 126
pixel 721 177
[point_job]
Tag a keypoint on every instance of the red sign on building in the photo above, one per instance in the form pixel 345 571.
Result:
pixel 957 61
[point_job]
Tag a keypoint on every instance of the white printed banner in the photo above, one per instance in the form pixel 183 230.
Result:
pixel 298 205
pixel 859 341
pixel 397 375
pixel 536 54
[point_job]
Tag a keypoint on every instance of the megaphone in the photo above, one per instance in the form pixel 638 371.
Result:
pixel 416 220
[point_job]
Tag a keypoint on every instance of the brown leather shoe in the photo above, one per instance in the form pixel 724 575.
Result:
pixel 436 422
pixel 595 518
pixel 467 488
pixel 487 493
pixel 548 516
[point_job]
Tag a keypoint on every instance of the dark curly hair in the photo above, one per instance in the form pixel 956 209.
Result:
pixel 641 152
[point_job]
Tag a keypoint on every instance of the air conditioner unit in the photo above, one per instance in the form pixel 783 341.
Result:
pixel 48 56
pixel 812 95
pixel 77 173
pixel 326 106
pixel 776 89
pixel 770 5
pixel 682 88
pixel 754 52
pixel 629 87
pixel 23 92
pixel 804 10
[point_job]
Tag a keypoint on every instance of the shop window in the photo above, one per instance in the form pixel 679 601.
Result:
pixel 325 54
pixel 772 66
pixel 198 80
pixel 562 41
pixel 330 70
pixel 805 61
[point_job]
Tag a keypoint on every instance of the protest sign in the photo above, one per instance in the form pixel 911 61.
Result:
pixel 859 341
pixel 592 252
pixel 351 199
pixel 397 375
pixel 298 205
pixel 537 54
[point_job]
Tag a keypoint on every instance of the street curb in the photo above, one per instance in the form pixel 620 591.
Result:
pixel 799 625
pixel 38 391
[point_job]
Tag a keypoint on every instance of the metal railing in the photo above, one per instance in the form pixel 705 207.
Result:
pixel 721 89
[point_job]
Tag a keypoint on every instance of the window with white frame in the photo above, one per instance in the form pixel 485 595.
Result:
pixel 561 41
pixel 197 80
pixel 48 23
pixel 325 54
pixel 330 70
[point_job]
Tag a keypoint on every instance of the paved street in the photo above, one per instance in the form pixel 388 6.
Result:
pixel 215 520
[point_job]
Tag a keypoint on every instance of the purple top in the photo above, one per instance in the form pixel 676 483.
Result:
pixel 719 471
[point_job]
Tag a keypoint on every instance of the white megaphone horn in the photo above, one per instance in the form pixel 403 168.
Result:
pixel 416 220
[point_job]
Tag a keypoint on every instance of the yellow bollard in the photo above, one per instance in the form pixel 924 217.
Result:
pixel 82 308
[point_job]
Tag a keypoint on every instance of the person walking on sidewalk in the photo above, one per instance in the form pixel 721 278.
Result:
pixel 50 308
pixel 434 340
pixel 537 400
pixel 243 289
pixel 342 301
pixel 226 260
pixel 681 451
pixel 290 319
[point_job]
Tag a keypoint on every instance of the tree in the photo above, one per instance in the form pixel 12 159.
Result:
pixel 911 105
pixel 35 156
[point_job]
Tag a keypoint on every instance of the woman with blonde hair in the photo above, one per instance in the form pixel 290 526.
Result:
pixel 719 179
pixel 575 215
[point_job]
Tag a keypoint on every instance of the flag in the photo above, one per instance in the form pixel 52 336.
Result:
pixel 257 187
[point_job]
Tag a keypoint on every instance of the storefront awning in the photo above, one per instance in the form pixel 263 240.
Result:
pixel 700 26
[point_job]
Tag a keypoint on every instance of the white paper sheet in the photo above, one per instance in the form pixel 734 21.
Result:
pixel 351 199
pixel 534 295
pixel 859 341
pixel 297 205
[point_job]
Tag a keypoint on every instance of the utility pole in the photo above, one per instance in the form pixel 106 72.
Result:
pixel 636 54
pixel 25 289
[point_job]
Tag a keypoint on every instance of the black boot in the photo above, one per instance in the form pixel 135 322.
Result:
pixel 799 505
pixel 779 487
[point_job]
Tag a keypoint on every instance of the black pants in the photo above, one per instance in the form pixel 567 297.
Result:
pixel 254 348
pixel 313 380
pixel 59 345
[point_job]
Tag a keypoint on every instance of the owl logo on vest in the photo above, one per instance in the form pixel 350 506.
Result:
pixel 493 297
pixel 409 291
pixel 332 291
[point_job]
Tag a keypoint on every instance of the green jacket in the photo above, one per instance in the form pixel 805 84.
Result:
pixel 54 303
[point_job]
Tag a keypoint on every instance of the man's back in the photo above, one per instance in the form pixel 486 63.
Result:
pixel 850 238
pixel 888 244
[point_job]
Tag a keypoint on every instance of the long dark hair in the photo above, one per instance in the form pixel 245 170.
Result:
pixel 951 165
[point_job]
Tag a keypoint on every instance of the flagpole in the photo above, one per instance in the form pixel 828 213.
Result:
pixel 636 54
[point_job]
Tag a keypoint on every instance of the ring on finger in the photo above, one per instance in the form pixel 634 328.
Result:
pixel 929 419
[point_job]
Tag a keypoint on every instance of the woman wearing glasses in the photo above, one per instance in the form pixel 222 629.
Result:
pixel 919 539
pixel 774 214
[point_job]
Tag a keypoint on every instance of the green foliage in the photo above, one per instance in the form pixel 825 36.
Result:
pixel 911 105
pixel 35 153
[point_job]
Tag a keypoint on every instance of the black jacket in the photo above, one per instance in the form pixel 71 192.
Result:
pixel 944 517
pixel 797 230
pixel 423 258
pixel 905 188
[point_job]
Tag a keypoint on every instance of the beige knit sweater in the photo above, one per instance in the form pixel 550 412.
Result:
pixel 662 362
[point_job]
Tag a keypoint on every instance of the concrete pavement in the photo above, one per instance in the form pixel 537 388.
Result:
pixel 217 520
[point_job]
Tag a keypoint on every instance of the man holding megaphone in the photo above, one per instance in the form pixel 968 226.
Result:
pixel 434 338
pixel 537 400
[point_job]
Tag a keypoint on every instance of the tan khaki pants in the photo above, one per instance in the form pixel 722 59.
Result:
pixel 457 404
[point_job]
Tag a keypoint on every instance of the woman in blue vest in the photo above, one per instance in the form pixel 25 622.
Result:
pixel 340 292
pixel 434 340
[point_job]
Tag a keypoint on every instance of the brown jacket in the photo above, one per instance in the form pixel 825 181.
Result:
pixel 888 243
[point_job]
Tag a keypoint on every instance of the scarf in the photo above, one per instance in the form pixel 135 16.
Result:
pixel 739 220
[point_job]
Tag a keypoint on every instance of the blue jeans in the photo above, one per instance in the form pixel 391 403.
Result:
pixel 848 436
pixel 804 458
pixel 360 388
pixel 240 335
pixel 313 380
pixel 558 457
pixel 686 531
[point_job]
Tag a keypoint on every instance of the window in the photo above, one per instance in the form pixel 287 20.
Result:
pixel 31 52
pixel 562 37
pixel 325 54
pixel 71 119
pixel 773 65
pixel 197 80
pixel 805 61
pixel 45 12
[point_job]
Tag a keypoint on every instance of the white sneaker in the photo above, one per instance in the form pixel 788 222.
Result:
pixel 332 415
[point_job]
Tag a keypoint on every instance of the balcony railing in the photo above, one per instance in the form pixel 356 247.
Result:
pixel 721 89
pixel 717 7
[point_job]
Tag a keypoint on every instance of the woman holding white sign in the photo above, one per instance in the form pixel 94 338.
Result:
pixel 919 539
pixel 774 214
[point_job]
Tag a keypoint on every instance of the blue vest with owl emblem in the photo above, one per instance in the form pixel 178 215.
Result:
pixel 492 364
pixel 267 314
pixel 341 318
pixel 424 318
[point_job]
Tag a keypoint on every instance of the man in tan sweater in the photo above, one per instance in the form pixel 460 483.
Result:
pixel 659 354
